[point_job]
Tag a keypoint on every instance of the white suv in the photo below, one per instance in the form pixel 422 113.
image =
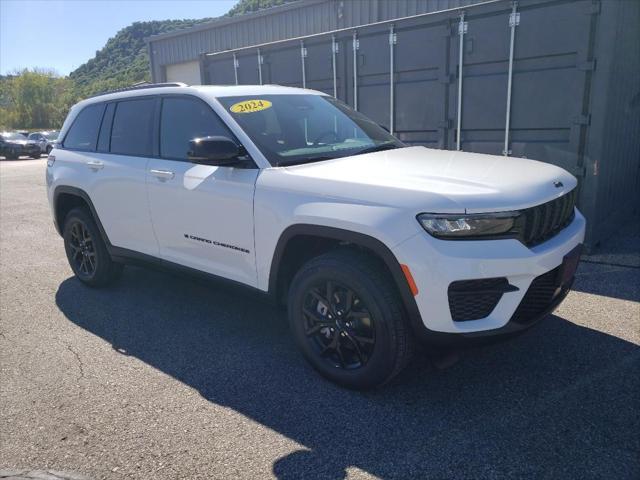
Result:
pixel 372 244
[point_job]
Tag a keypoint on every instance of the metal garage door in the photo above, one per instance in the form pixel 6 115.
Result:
pixel 187 72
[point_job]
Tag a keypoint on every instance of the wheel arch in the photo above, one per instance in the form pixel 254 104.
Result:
pixel 324 238
pixel 66 198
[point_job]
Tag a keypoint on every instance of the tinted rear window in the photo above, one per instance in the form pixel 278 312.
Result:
pixel 83 134
pixel 133 125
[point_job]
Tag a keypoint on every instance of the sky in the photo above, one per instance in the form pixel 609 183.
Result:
pixel 63 34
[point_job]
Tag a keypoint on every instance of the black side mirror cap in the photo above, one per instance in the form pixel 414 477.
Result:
pixel 214 150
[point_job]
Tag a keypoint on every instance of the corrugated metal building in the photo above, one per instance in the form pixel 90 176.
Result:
pixel 554 80
pixel 175 53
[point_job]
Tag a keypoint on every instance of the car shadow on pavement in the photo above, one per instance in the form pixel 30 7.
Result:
pixel 613 268
pixel 557 402
pixel 609 280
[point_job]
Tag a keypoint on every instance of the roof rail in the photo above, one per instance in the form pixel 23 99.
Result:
pixel 140 86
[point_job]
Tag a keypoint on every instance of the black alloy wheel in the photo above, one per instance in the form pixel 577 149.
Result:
pixel 86 250
pixel 339 325
pixel 347 318
pixel 83 249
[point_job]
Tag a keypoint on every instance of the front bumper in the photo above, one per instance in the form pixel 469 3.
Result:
pixel 26 149
pixel 32 149
pixel 436 264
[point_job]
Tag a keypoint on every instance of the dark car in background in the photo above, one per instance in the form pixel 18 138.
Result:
pixel 14 145
pixel 45 139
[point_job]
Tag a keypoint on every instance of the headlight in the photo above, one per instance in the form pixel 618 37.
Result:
pixel 461 226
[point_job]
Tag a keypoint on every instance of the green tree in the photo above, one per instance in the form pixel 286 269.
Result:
pixel 37 98
pixel 34 99
pixel 248 6
pixel 124 60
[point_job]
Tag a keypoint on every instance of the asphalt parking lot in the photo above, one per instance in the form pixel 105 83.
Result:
pixel 166 377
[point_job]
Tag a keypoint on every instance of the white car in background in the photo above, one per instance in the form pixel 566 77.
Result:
pixel 372 244
pixel 45 140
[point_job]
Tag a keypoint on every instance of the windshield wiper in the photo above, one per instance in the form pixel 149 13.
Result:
pixel 374 148
pixel 378 148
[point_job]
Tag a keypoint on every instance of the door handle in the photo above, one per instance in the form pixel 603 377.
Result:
pixel 95 165
pixel 162 174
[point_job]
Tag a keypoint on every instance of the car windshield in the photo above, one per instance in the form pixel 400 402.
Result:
pixel 51 135
pixel 292 129
pixel 13 136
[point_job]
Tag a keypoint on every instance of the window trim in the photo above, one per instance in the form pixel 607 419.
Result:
pixel 62 143
pixel 156 127
pixel 104 116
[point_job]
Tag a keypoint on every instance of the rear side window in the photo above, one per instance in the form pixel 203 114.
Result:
pixel 83 134
pixel 133 125
pixel 184 119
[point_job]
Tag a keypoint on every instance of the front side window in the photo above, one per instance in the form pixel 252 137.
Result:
pixel 184 119
pixel 133 125
pixel 83 134
pixel 291 129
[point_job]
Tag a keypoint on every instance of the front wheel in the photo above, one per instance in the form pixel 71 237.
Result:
pixel 49 148
pixel 86 251
pixel 347 319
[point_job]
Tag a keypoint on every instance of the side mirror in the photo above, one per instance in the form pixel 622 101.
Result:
pixel 218 151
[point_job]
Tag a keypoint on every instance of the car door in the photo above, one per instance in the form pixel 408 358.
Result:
pixel 36 138
pixel 202 214
pixel 42 142
pixel 116 172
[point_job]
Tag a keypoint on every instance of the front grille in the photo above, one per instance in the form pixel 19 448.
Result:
pixel 539 297
pixel 544 221
pixel 475 299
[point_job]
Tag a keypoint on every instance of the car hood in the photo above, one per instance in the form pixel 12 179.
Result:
pixel 429 180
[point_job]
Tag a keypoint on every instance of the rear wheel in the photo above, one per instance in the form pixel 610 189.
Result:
pixel 348 321
pixel 86 251
pixel 12 156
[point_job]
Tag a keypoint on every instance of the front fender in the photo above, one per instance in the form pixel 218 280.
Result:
pixel 278 211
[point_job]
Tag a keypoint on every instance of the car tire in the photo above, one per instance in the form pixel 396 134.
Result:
pixel 360 338
pixel 86 250
pixel 48 149
pixel 12 156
